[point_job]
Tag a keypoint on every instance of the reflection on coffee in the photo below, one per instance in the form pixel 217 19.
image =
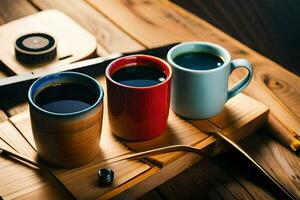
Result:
pixel 198 61
pixel 65 98
pixel 139 76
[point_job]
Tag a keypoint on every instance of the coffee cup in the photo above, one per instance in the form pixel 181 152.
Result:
pixel 66 117
pixel 138 94
pixel 200 78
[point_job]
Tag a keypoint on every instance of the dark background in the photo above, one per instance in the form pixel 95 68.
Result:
pixel 271 27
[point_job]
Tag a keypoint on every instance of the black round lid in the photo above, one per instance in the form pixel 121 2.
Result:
pixel 35 48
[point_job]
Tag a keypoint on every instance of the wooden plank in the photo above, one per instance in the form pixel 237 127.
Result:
pixel 14 106
pixel 211 181
pixel 281 163
pixel 82 181
pixel 237 115
pixel 152 195
pixel 19 181
pixel 3 116
pixel 11 10
pixel 110 147
pixel 37 22
pixel 66 31
pixel 260 25
pixel 108 35
pixel 284 166
pixel 204 174
pixel 179 132
pixel 286 91
pixel 154 23
pixel 11 136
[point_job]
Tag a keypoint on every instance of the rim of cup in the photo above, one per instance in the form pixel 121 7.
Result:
pixel 226 58
pixel 132 60
pixel 34 91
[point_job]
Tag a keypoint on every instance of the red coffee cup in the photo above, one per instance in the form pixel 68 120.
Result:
pixel 138 113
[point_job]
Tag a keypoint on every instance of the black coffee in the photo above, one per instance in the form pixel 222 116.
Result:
pixel 139 76
pixel 65 98
pixel 198 61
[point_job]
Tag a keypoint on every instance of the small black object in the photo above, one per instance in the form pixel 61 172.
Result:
pixel 105 177
pixel 35 48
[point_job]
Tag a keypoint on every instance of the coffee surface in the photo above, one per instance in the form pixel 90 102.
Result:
pixel 65 98
pixel 198 61
pixel 139 76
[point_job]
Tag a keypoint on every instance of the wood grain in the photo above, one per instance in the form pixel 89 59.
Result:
pixel 14 106
pixel 210 32
pixel 270 27
pixel 282 164
pixel 3 116
pixel 179 132
pixel 11 10
pixel 286 92
pixel 211 181
pixel 19 181
pixel 52 22
pixel 108 35
pixel 240 117
pixel 161 22
pixel 86 175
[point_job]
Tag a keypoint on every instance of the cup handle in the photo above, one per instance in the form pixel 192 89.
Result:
pixel 242 84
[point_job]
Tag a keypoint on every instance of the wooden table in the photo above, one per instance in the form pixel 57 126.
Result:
pixel 122 26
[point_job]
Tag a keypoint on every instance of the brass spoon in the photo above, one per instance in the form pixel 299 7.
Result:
pixel 20 157
pixel 199 151
pixel 172 148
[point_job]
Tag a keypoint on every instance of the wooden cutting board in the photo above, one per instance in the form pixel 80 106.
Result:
pixel 73 42
pixel 241 116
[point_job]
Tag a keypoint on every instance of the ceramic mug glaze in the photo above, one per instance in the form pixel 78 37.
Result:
pixel 138 113
pixel 66 139
pixel 200 94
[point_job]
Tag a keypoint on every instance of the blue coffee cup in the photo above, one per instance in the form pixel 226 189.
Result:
pixel 200 94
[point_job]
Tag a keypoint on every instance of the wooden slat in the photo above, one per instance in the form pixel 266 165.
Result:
pixel 179 132
pixel 82 182
pixel 286 91
pixel 277 160
pixel 241 116
pixel 237 53
pixel 3 116
pixel 66 31
pixel 2 73
pixel 19 181
pixel 261 25
pixel 154 23
pixel 11 136
pixel 282 164
pixel 211 181
pixel 14 107
pixel 110 147
pixel 11 10
pixel 108 35
pixel 152 195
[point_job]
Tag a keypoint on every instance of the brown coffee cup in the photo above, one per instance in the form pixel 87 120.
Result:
pixel 68 139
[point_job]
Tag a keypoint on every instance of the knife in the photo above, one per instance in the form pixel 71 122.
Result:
pixel 18 85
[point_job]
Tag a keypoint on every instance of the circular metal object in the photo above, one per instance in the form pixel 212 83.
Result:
pixel 105 177
pixel 35 48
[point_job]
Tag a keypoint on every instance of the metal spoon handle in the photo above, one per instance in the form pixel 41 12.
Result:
pixel 241 150
pixel 156 151
pixel 20 157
